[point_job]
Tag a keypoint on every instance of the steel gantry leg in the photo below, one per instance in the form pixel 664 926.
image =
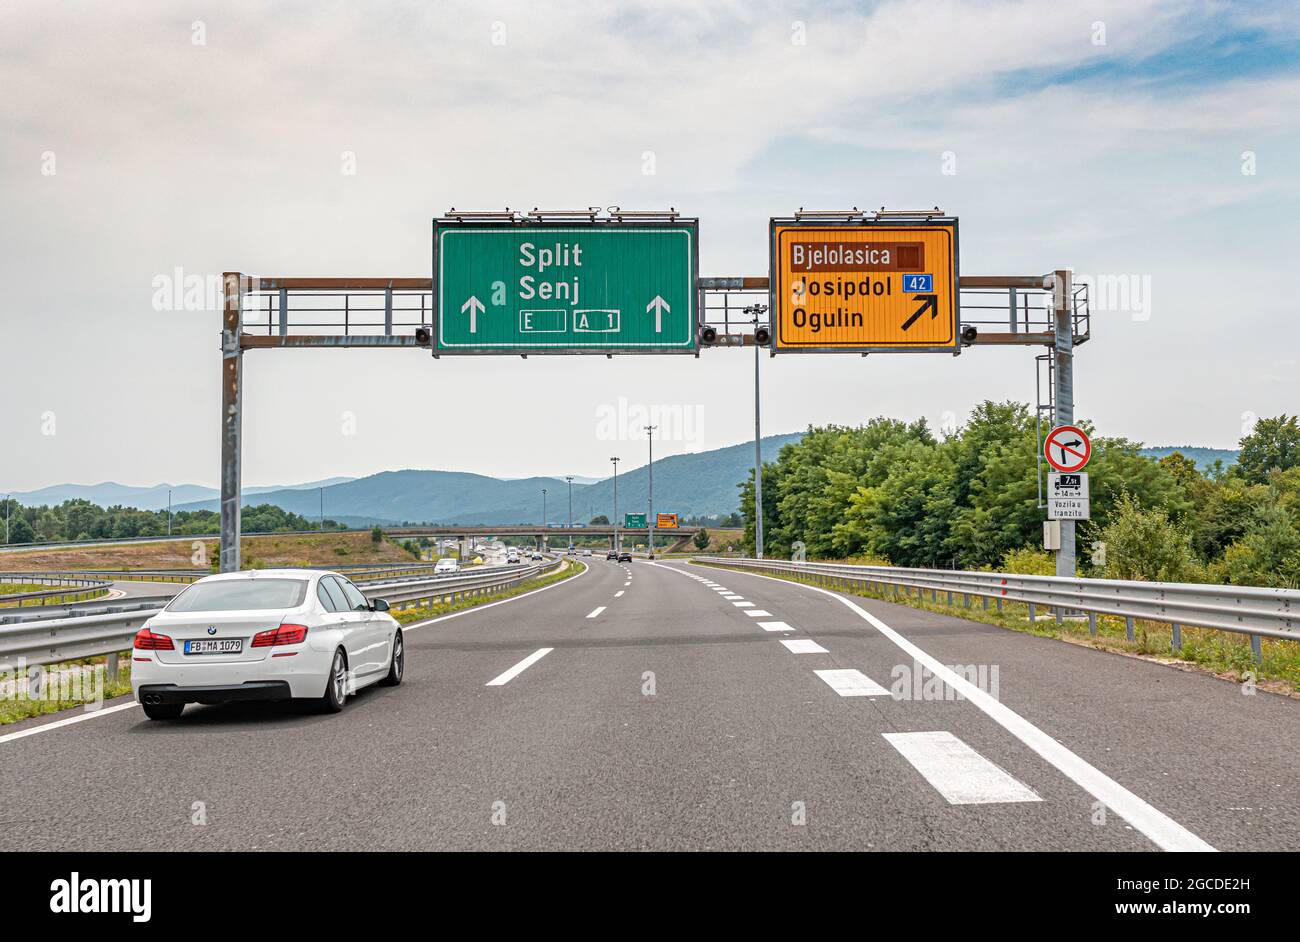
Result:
pixel 232 377
pixel 1063 389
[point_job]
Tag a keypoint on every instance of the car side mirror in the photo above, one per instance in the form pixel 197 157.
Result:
pixel 379 605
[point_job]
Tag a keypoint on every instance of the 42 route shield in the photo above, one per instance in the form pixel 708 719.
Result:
pixel 867 285
pixel 565 287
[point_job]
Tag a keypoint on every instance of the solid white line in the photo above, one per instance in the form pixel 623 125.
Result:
pixel 618 594
pixel 803 646
pixel 57 724
pixel 485 605
pixel 848 682
pixel 1159 828
pixel 958 772
pixel 597 612
pixel 774 626
pixel 519 668
pixel 759 613
pixel 742 604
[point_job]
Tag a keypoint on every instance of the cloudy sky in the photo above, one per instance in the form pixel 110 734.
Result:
pixel 1157 141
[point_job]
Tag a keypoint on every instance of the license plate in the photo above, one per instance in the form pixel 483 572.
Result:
pixel 215 646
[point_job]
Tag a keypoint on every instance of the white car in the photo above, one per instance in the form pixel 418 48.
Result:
pixel 272 634
pixel 512 558
pixel 446 565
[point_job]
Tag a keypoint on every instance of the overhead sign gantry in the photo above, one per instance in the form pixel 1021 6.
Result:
pixel 565 283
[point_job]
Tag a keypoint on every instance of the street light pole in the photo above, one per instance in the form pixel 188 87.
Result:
pixel 757 310
pixel 543 518
pixel 169 511
pixel 650 517
pixel 616 533
pixel 7 497
pixel 322 510
pixel 569 479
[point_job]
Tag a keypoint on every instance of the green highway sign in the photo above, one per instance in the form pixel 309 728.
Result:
pixel 634 522
pixel 565 287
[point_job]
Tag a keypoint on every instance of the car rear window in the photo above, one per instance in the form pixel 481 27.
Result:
pixel 231 595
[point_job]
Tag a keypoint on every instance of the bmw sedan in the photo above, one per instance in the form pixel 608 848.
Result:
pixel 265 635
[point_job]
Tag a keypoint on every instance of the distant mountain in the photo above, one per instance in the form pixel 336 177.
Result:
pixel 1204 457
pixel 111 493
pixel 694 484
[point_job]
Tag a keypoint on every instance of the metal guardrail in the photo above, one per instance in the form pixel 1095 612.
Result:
pixel 364 571
pixel 77 588
pixel 55 640
pixel 1248 610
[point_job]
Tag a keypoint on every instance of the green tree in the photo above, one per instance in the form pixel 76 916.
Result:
pixel 1273 443
pixel 376 536
pixel 1143 544
pixel 20 531
pixel 701 539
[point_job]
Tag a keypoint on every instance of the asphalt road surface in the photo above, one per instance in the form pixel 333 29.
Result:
pixel 673 706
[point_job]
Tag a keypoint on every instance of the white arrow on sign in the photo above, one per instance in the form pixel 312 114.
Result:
pixel 658 305
pixel 473 305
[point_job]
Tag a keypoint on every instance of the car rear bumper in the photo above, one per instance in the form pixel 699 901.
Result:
pixel 215 693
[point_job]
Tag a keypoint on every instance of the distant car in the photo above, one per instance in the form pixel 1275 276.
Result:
pixel 612 554
pixel 446 565
pixel 536 555
pixel 511 558
pixel 272 634
pixel 586 552
pixel 625 557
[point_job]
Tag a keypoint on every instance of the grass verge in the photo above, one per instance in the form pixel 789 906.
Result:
pixel 1225 654
pixel 16 705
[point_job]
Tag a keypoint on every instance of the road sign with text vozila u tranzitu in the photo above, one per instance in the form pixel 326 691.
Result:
pixel 567 287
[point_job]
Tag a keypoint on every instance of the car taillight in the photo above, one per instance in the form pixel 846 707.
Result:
pixel 146 640
pixel 285 634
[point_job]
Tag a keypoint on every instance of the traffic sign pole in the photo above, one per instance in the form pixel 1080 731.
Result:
pixel 1064 397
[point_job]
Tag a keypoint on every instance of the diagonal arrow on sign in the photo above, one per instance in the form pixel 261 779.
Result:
pixel 658 305
pixel 929 302
pixel 474 306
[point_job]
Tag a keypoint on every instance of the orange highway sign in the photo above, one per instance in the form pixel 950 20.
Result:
pixel 865 285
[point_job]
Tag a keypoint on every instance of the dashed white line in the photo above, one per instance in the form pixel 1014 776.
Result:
pixel 519 668
pixel 1158 827
pixel 958 772
pixel 774 626
pixel 852 683
pixel 618 594
pixel 759 613
pixel 742 604
pixel 598 610
pixel 803 646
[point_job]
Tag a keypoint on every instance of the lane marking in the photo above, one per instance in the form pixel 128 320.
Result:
pixel 759 613
pixel 628 583
pixel 597 611
pixel 958 772
pixel 848 682
pixel 732 597
pixel 58 724
pixel 742 604
pixel 774 626
pixel 519 668
pixel 1159 828
pixel 618 594
pixel 803 646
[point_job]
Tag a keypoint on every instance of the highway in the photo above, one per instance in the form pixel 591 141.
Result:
pixel 672 706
